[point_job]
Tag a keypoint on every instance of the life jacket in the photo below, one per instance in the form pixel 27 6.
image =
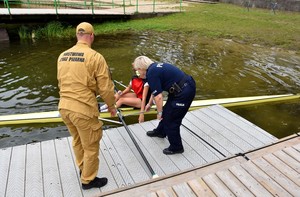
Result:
pixel 137 85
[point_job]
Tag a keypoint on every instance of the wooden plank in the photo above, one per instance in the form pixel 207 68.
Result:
pixel 200 188
pixel 152 194
pixel 5 157
pixel 217 186
pixel 249 181
pixel 237 128
pixel 33 178
pixel 69 179
pixel 233 183
pixel 277 146
pixel 283 168
pixel 183 189
pixel 251 128
pixel 277 176
pixel 167 192
pixel 16 176
pixel 288 160
pixel 293 153
pixel 297 147
pixel 273 187
pixel 51 178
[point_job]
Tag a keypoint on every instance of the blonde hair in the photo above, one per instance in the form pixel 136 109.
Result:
pixel 142 62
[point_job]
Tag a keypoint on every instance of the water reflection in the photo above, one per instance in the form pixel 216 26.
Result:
pixel 221 68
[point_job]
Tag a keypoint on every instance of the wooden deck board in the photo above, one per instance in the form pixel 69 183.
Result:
pixel 183 189
pixel 283 168
pixel 266 181
pixel 217 186
pixel 49 169
pixel 294 164
pixel 233 183
pixel 200 188
pixel 249 181
pixel 277 176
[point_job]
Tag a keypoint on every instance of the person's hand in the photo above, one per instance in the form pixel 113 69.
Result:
pixel 147 107
pixel 159 116
pixel 141 118
pixel 113 112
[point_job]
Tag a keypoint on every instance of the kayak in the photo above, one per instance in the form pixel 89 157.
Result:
pixel 54 116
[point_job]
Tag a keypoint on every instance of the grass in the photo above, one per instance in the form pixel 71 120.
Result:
pixel 228 21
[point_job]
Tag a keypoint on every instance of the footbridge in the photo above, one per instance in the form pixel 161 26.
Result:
pixel 18 11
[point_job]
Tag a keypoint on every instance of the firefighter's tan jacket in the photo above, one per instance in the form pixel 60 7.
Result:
pixel 83 73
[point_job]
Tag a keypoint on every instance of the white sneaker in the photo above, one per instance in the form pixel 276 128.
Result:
pixel 103 107
pixel 104 110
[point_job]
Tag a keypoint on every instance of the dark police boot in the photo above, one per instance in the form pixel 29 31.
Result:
pixel 167 151
pixel 97 182
pixel 154 133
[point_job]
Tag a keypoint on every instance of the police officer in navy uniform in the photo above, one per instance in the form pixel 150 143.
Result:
pixel 181 88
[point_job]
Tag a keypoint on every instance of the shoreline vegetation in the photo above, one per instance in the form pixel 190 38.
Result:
pixel 216 21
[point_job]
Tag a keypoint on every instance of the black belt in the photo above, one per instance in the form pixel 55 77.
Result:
pixel 177 87
pixel 182 81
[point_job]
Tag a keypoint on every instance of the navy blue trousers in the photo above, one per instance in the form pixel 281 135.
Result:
pixel 174 111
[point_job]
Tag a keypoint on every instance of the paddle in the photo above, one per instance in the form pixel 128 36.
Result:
pixel 154 175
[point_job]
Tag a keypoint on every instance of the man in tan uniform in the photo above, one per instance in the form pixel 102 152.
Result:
pixel 82 74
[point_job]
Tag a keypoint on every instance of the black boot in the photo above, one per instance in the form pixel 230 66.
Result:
pixel 155 133
pixel 167 151
pixel 97 183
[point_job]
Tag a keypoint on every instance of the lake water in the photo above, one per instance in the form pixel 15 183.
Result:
pixel 221 68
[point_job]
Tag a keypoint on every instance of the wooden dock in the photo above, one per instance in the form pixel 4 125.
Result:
pixel 209 135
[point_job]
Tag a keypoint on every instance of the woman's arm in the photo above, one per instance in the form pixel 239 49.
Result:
pixel 120 93
pixel 143 104
pixel 159 105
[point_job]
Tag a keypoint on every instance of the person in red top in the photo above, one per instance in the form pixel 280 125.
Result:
pixel 134 95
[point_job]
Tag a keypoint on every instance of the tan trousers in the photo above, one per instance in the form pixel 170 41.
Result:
pixel 86 133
